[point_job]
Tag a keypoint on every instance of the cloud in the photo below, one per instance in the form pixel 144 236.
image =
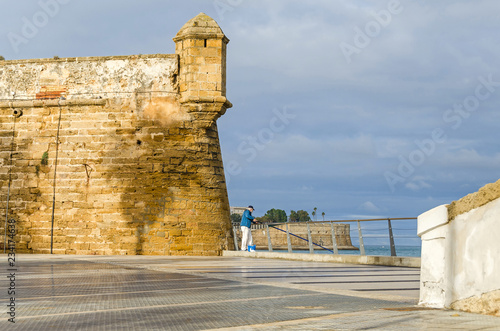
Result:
pixel 369 206
pixel 417 183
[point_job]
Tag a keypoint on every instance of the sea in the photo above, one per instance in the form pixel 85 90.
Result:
pixel 378 250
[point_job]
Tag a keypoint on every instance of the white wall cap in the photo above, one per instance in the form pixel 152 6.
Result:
pixel 432 219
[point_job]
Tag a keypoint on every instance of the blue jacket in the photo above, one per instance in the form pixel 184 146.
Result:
pixel 246 219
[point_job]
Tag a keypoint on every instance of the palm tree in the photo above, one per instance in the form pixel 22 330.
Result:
pixel 323 214
pixel 314 213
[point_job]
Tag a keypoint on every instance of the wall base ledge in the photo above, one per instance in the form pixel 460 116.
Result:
pixel 412 262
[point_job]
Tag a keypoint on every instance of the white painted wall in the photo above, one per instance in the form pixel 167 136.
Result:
pixel 89 77
pixel 460 259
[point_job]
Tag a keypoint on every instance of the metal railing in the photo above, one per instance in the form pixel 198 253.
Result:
pixel 334 246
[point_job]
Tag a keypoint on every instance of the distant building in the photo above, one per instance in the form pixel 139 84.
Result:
pixel 237 210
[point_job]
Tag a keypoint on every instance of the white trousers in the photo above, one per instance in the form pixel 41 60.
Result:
pixel 246 238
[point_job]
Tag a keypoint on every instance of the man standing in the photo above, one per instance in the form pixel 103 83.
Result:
pixel 246 224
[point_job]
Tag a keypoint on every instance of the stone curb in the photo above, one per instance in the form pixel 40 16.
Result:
pixel 395 261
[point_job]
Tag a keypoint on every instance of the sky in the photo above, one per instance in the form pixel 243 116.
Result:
pixel 362 109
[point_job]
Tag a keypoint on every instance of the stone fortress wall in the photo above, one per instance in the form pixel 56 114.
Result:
pixel 117 155
pixel 321 234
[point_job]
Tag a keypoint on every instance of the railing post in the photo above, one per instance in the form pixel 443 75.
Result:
pixel 391 238
pixel 269 243
pixel 309 238
pixel 334 240
pixel 288 240
pixel 361 244
pixel 235 233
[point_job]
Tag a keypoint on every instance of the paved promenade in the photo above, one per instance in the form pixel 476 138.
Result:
pixel 60 292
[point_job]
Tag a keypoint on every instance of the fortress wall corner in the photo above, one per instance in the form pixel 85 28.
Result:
pixel 109 155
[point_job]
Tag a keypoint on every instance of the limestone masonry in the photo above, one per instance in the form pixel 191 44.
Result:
pixel 117 155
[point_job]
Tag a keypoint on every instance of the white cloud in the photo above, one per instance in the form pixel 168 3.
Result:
pixel 417 183
pixel 369 206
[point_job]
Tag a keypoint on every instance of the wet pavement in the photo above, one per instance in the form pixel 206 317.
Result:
pixel 61 292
